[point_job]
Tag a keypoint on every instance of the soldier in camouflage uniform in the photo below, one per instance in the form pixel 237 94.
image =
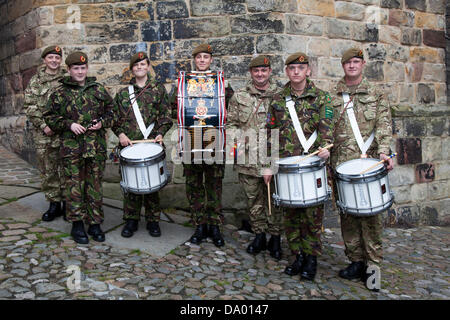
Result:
pixel 206 213
pixel 314 109
pixel 79 111
pixel 153 104
pixel 362 235
pixel 247 111
pixel 47 143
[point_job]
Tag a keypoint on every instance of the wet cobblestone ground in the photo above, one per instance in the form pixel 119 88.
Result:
pixel 34 261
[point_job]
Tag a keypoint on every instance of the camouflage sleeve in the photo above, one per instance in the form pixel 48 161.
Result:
pixel 383 126
pixel 233 114
pixel 163 120
pixel 108 109
pixel 173 103
pixel 53 114
pixel 229 92
pixel 32 110
pixel 326 123
pixel 118 115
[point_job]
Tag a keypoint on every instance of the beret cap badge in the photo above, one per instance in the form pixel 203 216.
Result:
pixel 82 59
pixel 301 58
pixel 57 49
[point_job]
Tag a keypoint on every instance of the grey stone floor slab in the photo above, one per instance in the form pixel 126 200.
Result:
pixel 29 209
pixel 9 192
pixel 172 235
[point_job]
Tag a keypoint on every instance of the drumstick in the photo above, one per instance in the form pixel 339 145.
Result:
pixel 313 154
pixel 268 198
pixel 139 141
pixel 376 164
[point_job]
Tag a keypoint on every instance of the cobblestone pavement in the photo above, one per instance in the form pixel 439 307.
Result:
pixel 34 264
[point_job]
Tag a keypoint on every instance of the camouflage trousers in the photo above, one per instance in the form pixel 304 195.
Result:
pixel 132 204
pixel 256 191
pixel 84 194
pixel 51 172
pixel 204 209
pixel 362 238
pixel 303 227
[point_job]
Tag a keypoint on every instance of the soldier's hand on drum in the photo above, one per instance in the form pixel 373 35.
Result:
pixel 323 153
pixel 389 162
pixel 124 140
pixel 77 128
pixel 267 175
pixel 159 139
pixel 48 131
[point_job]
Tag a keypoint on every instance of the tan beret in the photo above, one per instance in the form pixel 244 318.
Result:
pixel 202 48
pixel 352 53
pixel 51 50
pixel 77 58
pixel 259 61
pixel 139 56
pixel 297 58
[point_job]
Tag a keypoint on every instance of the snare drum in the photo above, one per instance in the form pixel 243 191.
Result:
pixel 363 194
pixel 302 184
pixel 143 168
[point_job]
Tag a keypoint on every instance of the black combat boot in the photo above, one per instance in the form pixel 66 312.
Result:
pixel 63 210
pixel 355 270
pixel 258 244
pixel 78 234
pixel 153 228
pixel 214 233
pixel 201 232
pixel 53 211
pixel 130 228
pixel 309 268
pixel 297 266
pixel 274 247
pixel 96 233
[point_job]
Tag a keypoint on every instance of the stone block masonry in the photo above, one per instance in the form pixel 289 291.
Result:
pixel 405 42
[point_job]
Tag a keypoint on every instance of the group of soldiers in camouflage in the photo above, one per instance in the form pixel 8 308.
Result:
pixel 70 115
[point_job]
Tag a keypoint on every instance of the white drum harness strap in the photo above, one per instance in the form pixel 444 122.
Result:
pixel 363 146
pixel 306 144
pixel 137 113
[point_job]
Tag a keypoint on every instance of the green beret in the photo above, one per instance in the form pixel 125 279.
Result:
pixel 352 53
pixel 260 61
pixel 297 58
pixel 51 50
pixel 139 56
pixel 77 58
pixel 202 48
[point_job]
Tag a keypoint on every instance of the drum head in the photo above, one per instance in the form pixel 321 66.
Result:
pixel 356 166
pixel 141 151
pixel 294 161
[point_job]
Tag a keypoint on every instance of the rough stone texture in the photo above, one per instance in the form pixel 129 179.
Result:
pixel 404 42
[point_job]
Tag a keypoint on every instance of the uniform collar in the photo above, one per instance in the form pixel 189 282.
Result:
pixel 252 90
pixel 133 81
pixel 90 81
pixel 363 86
pixel 310 90
pixel 42 74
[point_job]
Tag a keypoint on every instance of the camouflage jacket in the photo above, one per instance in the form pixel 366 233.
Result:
pixel 71 103
pixel 372 112
pixel 154 107
pixel 247 110
pixel 37 93
pixel 315 112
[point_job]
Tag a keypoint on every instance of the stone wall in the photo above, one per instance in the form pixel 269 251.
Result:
pixel 404 42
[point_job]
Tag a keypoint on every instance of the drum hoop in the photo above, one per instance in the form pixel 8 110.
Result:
pixel 144 161
pixel 143 191
pixel 357 178
pixel 300 204
pixel 295 167
pixel 377 210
